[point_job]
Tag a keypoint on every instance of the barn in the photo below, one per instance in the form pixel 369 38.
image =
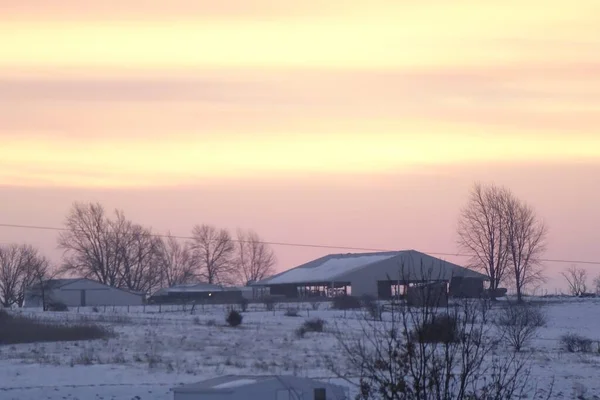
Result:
pixel 80 292
pixel 276 387
pixel 384 275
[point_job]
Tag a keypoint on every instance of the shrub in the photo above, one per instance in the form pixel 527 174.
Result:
pixel 315 305
pixel 19 329
pixel 95 309
pixel 269 303
pixel 346 303
pixel 234 318
pixel 438 329
pixel 57 306
pixel 291 312
pixel 519 323
pixel 243 303
pixel 373 308
pixel 574 343
pixel 311 325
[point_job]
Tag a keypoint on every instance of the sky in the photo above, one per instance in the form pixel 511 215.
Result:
pixel 345 123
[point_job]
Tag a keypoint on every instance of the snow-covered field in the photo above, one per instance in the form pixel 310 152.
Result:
pixel 155 351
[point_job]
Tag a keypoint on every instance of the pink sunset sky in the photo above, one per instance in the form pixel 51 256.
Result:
pixel 344 123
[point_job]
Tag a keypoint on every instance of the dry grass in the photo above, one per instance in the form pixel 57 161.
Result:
pixel 19 329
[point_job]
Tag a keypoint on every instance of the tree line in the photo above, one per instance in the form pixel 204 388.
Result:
pixel 502 235
pixel 116 251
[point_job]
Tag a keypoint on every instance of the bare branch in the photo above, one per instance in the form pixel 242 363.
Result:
pixel 116 252
pixel 20 266
pixel 577 279
pixel 481 232
pixel 177 262
pixel 526 241
pixel 255 260
pixel 212 252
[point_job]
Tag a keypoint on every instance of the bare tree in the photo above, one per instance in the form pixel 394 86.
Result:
pixel 116 252
pixel 21 265
pixel 40 282
pixel 597 284
pixel 577 279
pixel 482 233
pixel 88 244
pixel 526 240
pixel 139 255
pixel 177 262
pixel 255 260
pixel 212 251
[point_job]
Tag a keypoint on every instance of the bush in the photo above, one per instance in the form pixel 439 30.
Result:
pixel 57 306
pixel 519 323
pixel 311 325
pixel 346 303
pixel 439 329
pixel 373 308
pixel 234 318
pixel 269 303
pixel 315 305
pixel 244 304
pixel 291 312
pixel 18 329
pixel 574 343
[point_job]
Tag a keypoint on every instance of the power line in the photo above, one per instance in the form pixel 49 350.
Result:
pixel 306 245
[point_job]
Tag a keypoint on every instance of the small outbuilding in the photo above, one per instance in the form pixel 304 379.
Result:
pixel 269 387
pixel 199 293
pixel 79 292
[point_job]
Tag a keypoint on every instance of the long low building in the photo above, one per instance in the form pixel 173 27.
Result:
pixel 383 275
pixel 201 292
pixel 80 292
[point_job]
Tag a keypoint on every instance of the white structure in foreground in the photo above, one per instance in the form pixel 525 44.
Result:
pixel 271 387
pixel 80 292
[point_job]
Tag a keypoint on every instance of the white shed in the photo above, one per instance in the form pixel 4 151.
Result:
pixel 81 292
pixel 269 387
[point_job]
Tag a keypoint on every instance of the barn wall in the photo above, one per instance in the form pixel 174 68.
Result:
pixel 364 285
pixel 466 287
pixel 112 297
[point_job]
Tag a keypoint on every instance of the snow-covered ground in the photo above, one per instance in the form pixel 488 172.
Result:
pixel 155 351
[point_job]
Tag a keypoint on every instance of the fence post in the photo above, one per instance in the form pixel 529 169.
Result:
pixel 159 308
pixel 105 308
pixel 127 308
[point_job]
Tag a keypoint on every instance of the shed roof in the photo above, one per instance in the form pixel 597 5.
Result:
pixel 336 267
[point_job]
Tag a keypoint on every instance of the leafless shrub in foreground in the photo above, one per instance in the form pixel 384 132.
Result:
pixel 392 361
